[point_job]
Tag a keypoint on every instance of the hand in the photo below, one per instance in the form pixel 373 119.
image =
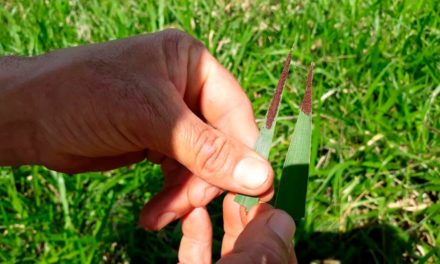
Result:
pixel 161 96
pixel 266 237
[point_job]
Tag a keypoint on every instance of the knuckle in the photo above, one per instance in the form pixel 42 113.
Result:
pixel 172 34
pixel 212 153
pixel 174 31
pixel 174 40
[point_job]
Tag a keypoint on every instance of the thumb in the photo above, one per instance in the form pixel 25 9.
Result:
pixel 267 238
pixel 218 158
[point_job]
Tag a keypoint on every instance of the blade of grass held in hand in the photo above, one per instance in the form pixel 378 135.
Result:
pixel 292 191
pixel 264 140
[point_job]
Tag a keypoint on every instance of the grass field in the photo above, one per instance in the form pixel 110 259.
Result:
pixel 375 177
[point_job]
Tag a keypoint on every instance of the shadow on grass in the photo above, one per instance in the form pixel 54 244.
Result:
pixel 142 246
pixel 373 243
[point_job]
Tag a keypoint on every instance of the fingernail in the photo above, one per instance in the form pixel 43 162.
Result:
pixel 165 218
pixel 282 224
pixel 251 173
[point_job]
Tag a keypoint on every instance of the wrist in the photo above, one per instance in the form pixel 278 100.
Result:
pixel 18 137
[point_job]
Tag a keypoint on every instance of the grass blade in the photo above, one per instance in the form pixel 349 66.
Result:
pixel 292 190
pixel 265 137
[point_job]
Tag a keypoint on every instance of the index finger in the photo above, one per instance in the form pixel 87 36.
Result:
pixel 220 99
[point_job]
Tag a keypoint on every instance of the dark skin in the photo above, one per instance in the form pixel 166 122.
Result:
pixel 160 97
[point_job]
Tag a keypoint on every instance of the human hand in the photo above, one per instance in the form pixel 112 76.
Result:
pixel 265 237
pixel 161 96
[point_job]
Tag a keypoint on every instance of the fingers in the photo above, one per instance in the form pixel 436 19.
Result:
pixel 221 100
pixel 182 193
pixel 200 193
pixel 218 158
pixel 175 202
pixel 267 238
pixel 195 246
pixel 172 202
pixel 220 149
pixel 232 223
pixel 207 87
pixel 210 146
pixel 235 219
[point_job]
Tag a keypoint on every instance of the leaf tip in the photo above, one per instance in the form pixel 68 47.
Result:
pixel 306 105
pixel 272 112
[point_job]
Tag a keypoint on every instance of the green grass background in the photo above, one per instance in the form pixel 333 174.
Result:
pixel 374 184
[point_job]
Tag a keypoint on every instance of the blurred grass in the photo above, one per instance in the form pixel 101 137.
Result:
pixel 374 184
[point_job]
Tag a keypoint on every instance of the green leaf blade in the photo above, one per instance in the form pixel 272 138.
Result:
pixel 265 137
pixel 262 147
pixel 264 141
pixel 246 201
pixel 292 191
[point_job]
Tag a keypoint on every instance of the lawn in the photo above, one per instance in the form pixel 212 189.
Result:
pixel 375 166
